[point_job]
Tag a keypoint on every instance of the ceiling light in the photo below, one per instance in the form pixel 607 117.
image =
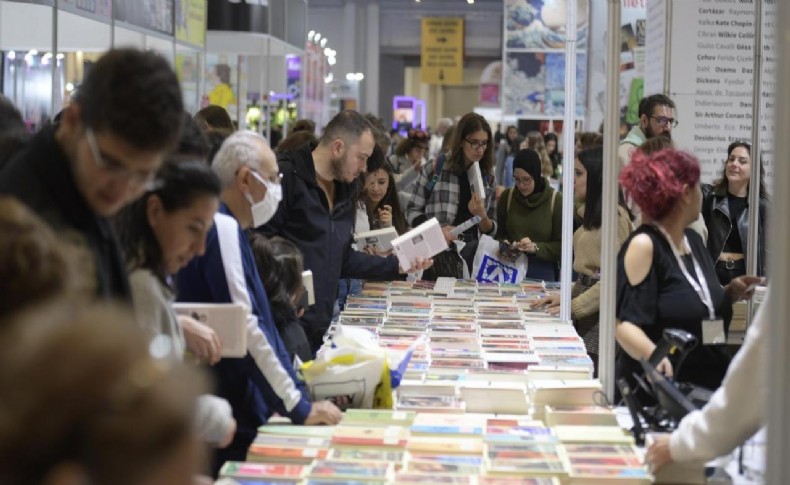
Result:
pixel 323 42
pixel 317 36
pixel 310 35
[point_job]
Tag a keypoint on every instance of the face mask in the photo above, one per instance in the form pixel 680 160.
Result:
pixel 264 210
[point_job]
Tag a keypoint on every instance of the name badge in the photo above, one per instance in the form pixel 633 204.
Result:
pixel 713 332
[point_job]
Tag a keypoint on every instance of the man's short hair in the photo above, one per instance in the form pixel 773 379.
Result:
pixel 347 125
pixel 240 149
pixel 135 95
pixel 649 103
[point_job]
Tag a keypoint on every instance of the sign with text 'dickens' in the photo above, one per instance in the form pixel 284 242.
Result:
pixel 442 60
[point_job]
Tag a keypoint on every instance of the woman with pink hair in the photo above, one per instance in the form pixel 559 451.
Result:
pixel 665 276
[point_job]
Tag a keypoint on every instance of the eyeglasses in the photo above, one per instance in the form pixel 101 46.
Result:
pixel 115 168
pixel 523 181
pixel 477 145
pixel 663 121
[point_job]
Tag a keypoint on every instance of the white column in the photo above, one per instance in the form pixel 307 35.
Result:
pixel 611 131
pixel 370 102
pixel 778 436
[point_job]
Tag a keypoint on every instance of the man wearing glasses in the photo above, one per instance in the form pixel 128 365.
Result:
pixel 101 156
pixel 656 117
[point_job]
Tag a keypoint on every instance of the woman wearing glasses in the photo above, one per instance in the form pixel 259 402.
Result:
pixel 725 207
pixel 529 216
pixel 443 191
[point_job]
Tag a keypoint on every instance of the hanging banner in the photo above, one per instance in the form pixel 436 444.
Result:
pixel 191 21
pixel 102 8
pixel 442 57
pixel 533 82
pixel 153 14
pixel 293 72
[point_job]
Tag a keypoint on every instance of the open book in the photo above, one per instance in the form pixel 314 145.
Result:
pixel 229 320
pixel 380 239
pixel 424 241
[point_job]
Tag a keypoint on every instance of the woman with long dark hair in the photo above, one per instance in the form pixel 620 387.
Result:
pixel 380 195
pixel 586 292
pixel 443 191
pixel 725 207
pixel 161 232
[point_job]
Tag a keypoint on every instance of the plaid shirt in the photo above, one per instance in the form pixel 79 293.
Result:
pixel 442 202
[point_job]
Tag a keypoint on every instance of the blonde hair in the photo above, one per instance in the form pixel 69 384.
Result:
pixel 535 142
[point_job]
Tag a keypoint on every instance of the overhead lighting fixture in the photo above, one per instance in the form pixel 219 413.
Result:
pixel 60 56
pixel 355 76
pixel 317 36
pixel 329 78
pixel 470 2
pixel 332 61
pixel 11 55
pixel 69 87
pixel 310 35
pixel 323 42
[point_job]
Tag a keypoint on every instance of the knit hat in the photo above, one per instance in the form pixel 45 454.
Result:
pixel 529 161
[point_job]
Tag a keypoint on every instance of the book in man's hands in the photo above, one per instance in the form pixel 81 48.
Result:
pixel 229 320
pixel 424 241
pixel 380 239
pixel 476 180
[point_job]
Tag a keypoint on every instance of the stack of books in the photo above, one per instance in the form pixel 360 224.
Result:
pixel 385 446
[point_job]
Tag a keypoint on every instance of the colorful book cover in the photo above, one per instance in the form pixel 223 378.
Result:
pixel 332 469
pixel 236 469
pixel 395 436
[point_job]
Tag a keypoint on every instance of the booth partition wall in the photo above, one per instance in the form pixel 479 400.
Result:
pixel 47 47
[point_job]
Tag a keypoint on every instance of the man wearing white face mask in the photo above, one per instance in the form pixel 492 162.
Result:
pixel 251 192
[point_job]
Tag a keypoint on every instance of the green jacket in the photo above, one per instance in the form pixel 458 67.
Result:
pixel 532 217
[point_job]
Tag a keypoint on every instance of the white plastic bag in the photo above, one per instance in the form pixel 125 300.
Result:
pixel 490 267
pixel 357 369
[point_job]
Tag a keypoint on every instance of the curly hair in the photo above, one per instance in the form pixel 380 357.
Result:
pixel 655 181
pixel 126 411
pixel 134 94
pixel 36 265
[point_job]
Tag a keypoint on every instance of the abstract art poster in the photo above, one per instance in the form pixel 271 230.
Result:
pixel 540 24
pixel 524 83
pixel 554 98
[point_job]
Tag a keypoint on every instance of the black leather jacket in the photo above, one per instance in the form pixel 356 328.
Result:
pixel 716 211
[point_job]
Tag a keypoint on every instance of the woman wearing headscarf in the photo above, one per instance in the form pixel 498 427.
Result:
pixel 529 216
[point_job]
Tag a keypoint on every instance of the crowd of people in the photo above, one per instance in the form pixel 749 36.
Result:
pixel 126 204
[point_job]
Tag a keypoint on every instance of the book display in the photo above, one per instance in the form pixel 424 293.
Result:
pixel 496 392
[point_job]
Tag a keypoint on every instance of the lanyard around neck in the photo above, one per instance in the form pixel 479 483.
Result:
pixel 700 287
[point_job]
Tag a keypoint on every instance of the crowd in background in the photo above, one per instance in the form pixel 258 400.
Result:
pixel 125 204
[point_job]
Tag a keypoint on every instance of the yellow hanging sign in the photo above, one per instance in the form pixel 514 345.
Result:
pixel 442 59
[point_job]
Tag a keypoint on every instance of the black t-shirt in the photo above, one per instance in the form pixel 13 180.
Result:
pixel 665 299
pixel 737 206
pixel 464 197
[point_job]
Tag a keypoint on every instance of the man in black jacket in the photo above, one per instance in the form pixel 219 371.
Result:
pixel 317 213
pixel 100 157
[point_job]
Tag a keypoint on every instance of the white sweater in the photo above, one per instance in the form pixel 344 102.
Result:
pixel 736 410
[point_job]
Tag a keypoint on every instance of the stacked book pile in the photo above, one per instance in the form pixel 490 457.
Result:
pixel 401 447
pixel 480 344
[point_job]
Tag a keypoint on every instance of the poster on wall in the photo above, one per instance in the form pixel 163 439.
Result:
pixel 191 21
pixel 540 24
pixel 225 82
pixel 490 80
pixel 150 14
pixel 714 95
pixel 533 80
pixel 102 8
